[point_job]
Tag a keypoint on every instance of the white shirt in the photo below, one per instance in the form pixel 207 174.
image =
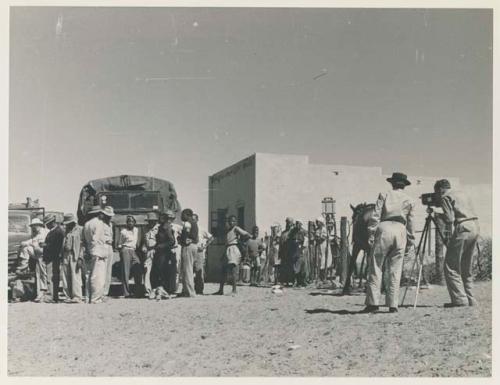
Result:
pixel 128 238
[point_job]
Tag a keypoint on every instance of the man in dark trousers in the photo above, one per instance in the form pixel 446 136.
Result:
pixel 52 254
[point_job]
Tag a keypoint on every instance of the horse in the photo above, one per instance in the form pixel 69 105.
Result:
pixel 361 214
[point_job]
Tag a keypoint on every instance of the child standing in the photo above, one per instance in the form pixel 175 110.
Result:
pixel 255 247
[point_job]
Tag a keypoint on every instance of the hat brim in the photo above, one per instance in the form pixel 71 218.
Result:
pixel 50 221
pixel 107 214
pixel 68 222
pixel 405 182
pixel 36 224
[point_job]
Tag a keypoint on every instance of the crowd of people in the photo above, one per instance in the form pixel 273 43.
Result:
pixel 164 254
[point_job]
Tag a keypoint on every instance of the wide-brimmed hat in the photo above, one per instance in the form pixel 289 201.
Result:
pixel 152 217
pixel 399 177
pixel 95 210
pixel 36 222
pixel 69 218
pixel 49 219
pixel 108 211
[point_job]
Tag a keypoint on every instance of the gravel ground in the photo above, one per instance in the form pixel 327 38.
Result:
pixel 306 332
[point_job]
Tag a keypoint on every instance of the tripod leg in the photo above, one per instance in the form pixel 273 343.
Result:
pixel 417 253
pixel 421 261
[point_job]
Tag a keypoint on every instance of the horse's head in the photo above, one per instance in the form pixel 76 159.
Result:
pixel 362 211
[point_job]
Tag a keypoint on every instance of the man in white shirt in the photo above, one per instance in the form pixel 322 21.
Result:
pixel 391 234
pixel 97 250
pixel 131 263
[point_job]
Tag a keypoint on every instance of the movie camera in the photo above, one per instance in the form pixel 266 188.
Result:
pixel 431 199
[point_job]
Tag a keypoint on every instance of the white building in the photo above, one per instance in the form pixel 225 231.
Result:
pixel 264 189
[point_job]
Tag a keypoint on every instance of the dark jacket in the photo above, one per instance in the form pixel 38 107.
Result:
pixel 53 244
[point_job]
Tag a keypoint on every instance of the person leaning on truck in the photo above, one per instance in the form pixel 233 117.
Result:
pixel 131 264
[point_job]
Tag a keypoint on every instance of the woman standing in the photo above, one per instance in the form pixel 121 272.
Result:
pixel 127 244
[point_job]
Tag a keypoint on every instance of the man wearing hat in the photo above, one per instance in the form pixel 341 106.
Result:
pixel 458 210
pixel 390 232
pixel 52 255
pixel 106 214
pixel 31 247
pixel 97 244
pixel 72 260
pixel 148 249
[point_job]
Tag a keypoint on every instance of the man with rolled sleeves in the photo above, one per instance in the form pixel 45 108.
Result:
pixel 458 210
pixel 390 232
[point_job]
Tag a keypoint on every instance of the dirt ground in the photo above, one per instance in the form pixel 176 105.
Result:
pixel 303 332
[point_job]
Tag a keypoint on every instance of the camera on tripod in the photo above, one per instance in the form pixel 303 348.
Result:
pixel 430 199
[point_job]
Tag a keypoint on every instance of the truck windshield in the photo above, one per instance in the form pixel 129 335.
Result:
pixel 19 224
pixel 143 200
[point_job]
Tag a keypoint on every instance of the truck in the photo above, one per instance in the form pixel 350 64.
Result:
pixel 128 195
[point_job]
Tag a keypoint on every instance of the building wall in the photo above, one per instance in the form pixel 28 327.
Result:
pixel 230 189
pixel 288 185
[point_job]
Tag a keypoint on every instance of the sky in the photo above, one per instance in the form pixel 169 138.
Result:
pixel 180 93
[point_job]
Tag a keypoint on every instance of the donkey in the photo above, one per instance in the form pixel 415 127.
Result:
pixel 361 214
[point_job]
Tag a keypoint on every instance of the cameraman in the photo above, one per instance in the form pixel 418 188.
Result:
pixel 458 210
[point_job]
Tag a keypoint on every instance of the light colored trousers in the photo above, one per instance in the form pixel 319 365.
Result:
pixel 389 248
pixel 458 262
pixel 148 264
pixel 109 269
pixel 71 279
pixel 188 255
pixel 43 277
pixel 96 279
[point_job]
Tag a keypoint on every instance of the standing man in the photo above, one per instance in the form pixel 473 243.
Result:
pixel 52 251
pixel 130 263
pixel 322 248
pixel 148 249
pixel 204 238
pixel 232 257
pixel 458 210
pixel 390 232
pixel 189 240
pixel 286 268
pixel 106 216
pixel 72 260
pixel 95 239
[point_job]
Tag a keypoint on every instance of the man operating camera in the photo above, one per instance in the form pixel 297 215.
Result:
pixel 458 210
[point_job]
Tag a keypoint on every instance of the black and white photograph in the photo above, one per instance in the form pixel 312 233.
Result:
pixel 249 191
